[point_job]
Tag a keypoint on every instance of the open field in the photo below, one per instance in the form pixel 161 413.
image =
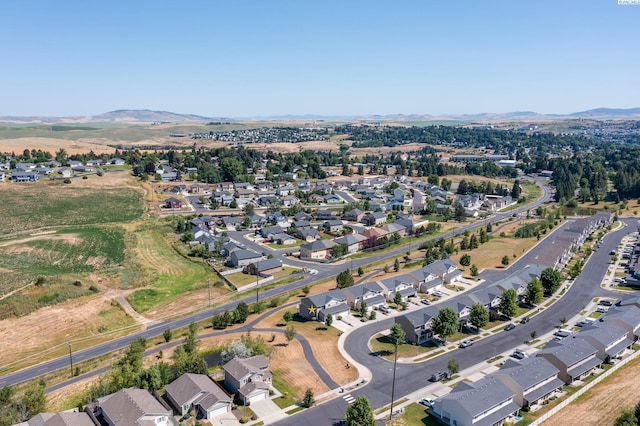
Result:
pixel 490 254
pixel 43 334
pixel 170 274
pixel 240 279
pixel 323 341
pixel 42 204
pixel 605 401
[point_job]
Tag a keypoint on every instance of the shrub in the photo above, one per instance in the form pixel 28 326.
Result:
pixel 67 180
pixel 77 283
pixel 93 289
pixel 83 177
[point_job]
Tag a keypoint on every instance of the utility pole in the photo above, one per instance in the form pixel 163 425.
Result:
pixel 257 286
pixel 393 382
pixel 209 288
pixel 70 358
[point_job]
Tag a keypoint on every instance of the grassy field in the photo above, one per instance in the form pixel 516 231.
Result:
pixel 382 345
pixel 240 279
pixel 414 415
pixel 169 273
pixel 48 204
pixel 490 254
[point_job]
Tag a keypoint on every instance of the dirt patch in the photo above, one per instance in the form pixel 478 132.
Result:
pixel 54 144
pixel 73 239
pixel 605 401
pixel 186 303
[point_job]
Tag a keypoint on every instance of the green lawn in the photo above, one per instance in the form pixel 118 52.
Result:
pixel 415 415
pixel 26 207
pixel 382 345
pixel 288 392
pixel 168 273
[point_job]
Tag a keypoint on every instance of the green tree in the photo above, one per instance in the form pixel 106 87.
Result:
pixel 372 315
pixel 363 309
pixel 473 242
pixel 231 169
pixel 627 418
pixel 218 322
pixel 509 303
pixel 289 333
pixel 306 289
pixel 309 399
pixel 459 213
pixel 360 271
pixel 328 320
pixel 445 324
pixel 479 316
pixel 636 412
pixel 34 400
pixel 241 312
pixel 339 250
pixel 397 334
pixel 396 265
pixel 360 413
pixel 474 271
pixel 551 280
pixel 535 292
pixel 397 298
pixel 344 279
pixel 505 260
pixel 453 366
pixel 465 260
pixel 287 316
pixel 167 334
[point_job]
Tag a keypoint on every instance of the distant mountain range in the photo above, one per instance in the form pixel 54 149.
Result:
pixel 145 116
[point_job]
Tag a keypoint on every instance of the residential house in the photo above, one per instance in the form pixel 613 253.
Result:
pixel 372 236
pixel 244 193
pixel 318 306
pixel 173 203
pixel 419 201
pixel 135 407
pixel 325 215
pixel 243 185
pixel 44 171
pixel 267 200
pixel 74 163
pixel 117 161
pixel 24 167
pixel 224 186
pixel 574 357
pixel 257 220
pixel 302 216
pixel 248 378
pixel 353 215
pixel 269 231
pixel 198 392
pixel 333 226
pixel 66 172
pixel 222 198
pixel 497 202
pixel 231 222
pixel 95 163
pixel 301 224
pixel 417 324
pixel 627 317
pixel 242 257
pixel 30 176
pixel 354 242
pixel 317 250
pixel 487 401
pixel 303 185
pixel 610 339
pixel 310 235
pixel 285 190
pixel 375 218
pixel 60 419
pixel 283 239
pixel 394 228
pixel 396 285
pixel 265 185
pixel 333 199
pixel 264 267
pixel 290 200
pixel 370 293
pixel 532 380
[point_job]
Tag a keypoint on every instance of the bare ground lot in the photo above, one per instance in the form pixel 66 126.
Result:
pixel 605 401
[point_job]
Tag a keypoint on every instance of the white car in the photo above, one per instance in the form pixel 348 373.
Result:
pixel 427 402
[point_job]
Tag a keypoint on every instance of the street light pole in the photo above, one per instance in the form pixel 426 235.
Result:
pixel 393 382
pixel 70 359
pixel 257 286
pixel 209 289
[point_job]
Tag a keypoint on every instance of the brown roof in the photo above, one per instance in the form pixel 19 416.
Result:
pixel 127 406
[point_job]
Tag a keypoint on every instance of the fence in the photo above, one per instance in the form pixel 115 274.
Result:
pixel 585 388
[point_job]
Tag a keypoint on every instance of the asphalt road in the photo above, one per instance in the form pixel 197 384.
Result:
pixel 325 271
pixel 412 377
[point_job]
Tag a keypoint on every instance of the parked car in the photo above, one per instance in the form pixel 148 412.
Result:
pixel 466 343
pixel 427 402
pixel 510 327
pixel 605 303
pixel 519 354
pixel 438 376
pixel 425 302
pixel 525 320
pixel 384 309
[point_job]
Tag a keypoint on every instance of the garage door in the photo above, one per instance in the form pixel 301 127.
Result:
pixel 217 412
pixel 258 397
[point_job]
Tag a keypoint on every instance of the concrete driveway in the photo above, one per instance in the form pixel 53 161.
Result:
pixel 265 408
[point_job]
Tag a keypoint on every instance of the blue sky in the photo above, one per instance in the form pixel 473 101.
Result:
pixel 241 58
